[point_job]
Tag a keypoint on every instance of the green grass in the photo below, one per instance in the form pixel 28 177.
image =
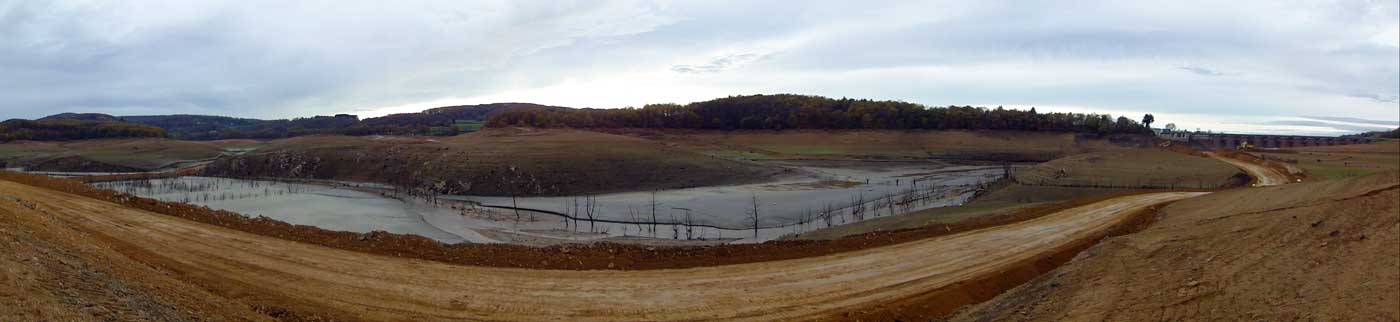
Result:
pixel 1329 165
pixel 15 150
pixel 734 154
pixel 468 125
pixel 803 149
pixel 243 146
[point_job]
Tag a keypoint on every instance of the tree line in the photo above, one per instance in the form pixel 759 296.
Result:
pixel 772 112
pixel 53 130
pixel 786 111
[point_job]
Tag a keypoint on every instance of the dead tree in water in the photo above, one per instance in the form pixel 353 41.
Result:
pixel 515 206
pixel 653 214
pixel 753 216
pixel 675 228
pixel 591 209
pixel 635 220
pixel 826 214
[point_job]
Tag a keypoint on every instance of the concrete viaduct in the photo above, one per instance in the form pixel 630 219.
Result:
pixel 1226 140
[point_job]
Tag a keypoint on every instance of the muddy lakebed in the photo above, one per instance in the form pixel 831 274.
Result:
pixel 820 194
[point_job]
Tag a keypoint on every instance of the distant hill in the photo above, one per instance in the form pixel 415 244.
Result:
pixel 81 117
pixel 1392 134
pixel 444 116
pixel 790 111
pixel 449 120
pixel 771 112
pixel 56 129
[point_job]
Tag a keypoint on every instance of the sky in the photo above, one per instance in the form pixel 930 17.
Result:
pixel 1302 67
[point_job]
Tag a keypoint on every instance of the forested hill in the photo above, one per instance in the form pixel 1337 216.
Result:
pixel 788 111
pixel 775 112
pixel 73 129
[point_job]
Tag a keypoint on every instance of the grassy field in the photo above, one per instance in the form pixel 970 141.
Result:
pixel 1341 161
pixel 1134 168
pixel 496 162
pixel 138 154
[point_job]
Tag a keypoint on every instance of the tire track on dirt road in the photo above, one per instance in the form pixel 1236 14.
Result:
pixel 372 287
pixel 1264 176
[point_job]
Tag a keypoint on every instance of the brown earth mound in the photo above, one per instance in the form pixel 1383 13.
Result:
pixel 1318 251
pixel 495 162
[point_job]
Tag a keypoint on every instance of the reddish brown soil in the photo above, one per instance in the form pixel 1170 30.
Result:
pixel 1274 167
pixel 52 271
pixel 1317 251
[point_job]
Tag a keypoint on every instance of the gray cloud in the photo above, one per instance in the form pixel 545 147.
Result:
pixel 1380 98
pixel 717 64
pixel 1201 71
pixel 277 59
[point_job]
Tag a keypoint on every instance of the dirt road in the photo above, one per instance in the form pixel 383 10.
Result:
pixel 1263 175
pixel 350 284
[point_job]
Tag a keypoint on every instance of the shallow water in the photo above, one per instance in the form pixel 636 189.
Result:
pixel 304 204
pixel 779 203
pixel 822 197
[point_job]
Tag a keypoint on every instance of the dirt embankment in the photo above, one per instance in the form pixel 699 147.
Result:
pixel 497 162
pixel 1264 172
pixel 290 280
pixel 1317 251
pixel 51 270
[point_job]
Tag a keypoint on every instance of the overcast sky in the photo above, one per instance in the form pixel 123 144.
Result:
pixel 1257 66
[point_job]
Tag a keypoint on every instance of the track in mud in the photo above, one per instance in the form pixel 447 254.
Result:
pixel 321 280
pixel 1263 176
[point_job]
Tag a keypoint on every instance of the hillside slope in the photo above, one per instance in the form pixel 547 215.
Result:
pixel 1318 251
pixel 106 155
pixel 494 162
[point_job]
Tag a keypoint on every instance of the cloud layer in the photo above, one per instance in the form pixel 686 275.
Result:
pixel 268 59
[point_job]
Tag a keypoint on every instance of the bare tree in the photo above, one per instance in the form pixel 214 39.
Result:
pixel 826 214
pixel 515 206
pixel 591 208
pixel 653 214
pixel 753 216
pixel 635 220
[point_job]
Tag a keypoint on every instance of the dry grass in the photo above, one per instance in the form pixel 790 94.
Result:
pixel 1319 251
pixel 1340 161
pixel 137 154
pixel 1136 168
